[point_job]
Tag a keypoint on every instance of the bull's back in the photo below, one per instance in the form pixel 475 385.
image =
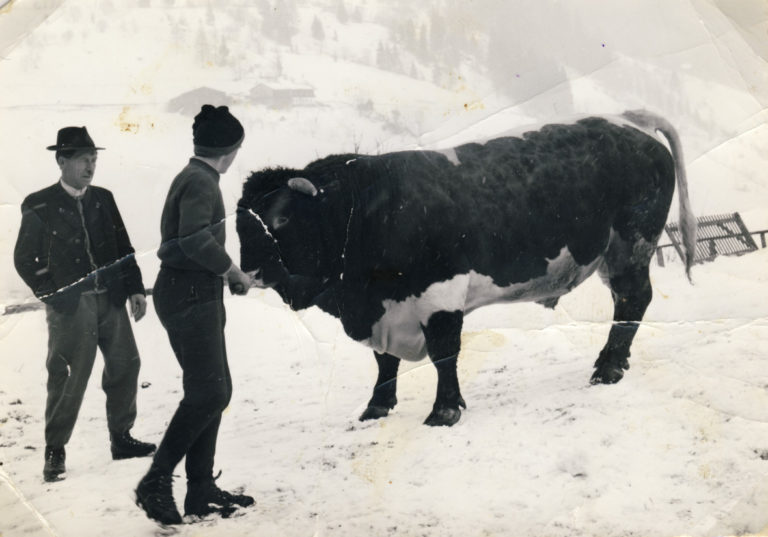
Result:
pixel 512 204
pixel 561 187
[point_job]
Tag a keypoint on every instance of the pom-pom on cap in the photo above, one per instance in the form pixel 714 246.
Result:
pixel 216 132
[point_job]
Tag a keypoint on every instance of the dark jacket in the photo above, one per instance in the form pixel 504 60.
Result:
pixel 192 225
pixel 51 255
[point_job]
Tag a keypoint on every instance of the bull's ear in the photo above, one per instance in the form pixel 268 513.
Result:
pixel 303 185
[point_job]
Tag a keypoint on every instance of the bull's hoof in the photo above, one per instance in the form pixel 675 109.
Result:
pixel 443 416
pixel 374 412
pixel 607 374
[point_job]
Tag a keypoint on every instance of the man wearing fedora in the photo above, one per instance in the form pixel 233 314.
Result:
pixel 74 253
pixel 188 298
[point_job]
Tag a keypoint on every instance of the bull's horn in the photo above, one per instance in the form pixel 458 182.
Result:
pixel 303 185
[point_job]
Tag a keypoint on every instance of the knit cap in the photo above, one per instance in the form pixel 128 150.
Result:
pixel 216 132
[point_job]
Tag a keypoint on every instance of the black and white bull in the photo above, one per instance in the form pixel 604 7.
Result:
pixel 401 246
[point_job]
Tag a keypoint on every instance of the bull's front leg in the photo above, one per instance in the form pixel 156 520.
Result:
pixel 443 336
pixel 384 392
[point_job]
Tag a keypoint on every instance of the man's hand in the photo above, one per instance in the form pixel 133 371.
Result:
pixel 138 306
pixel 239 282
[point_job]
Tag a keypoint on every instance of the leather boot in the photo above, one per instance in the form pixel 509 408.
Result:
pixel 55 467
pixel 124 446
pixel 204 497
pixel 154 495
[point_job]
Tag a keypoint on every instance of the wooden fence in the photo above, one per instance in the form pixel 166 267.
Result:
pixel 720 234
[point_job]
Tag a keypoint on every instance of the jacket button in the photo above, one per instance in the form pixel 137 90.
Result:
pixel 77 260
pixel 77 241
pixel 54 232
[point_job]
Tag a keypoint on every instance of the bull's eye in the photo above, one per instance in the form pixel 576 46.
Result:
pixel 279 222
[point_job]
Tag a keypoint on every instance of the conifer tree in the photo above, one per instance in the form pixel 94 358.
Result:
pixel 317 29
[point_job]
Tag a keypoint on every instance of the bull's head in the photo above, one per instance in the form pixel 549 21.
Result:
pixel 289 237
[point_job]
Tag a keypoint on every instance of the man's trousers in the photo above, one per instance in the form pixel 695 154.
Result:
pixel 191 308
pixel 72 342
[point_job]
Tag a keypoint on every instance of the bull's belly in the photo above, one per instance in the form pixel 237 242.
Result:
pixel 563 274
pixel 399 331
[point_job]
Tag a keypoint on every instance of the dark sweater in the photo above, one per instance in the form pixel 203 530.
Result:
pixel 192 224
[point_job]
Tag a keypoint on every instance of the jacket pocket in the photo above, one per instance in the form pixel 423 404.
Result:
pixel 206 288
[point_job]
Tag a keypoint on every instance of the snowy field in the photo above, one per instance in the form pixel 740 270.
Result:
pixel 679 447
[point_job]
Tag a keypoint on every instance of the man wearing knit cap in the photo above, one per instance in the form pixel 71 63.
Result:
pixel 188 297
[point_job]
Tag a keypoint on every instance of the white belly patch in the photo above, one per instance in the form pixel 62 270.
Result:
pixel 399 331
pixel 563 274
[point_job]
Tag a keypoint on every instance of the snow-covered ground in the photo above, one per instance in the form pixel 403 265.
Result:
pixel 678 447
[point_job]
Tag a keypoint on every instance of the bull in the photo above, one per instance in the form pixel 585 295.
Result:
pixel 401 246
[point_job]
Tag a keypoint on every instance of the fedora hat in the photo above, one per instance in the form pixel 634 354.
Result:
pixel 73 138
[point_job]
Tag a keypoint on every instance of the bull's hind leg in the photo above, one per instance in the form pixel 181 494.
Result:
pixel 384 392
pixel 443 336
pixel 625 270
pixel 631 296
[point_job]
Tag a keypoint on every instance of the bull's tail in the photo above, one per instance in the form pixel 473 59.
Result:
pixel 687 222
